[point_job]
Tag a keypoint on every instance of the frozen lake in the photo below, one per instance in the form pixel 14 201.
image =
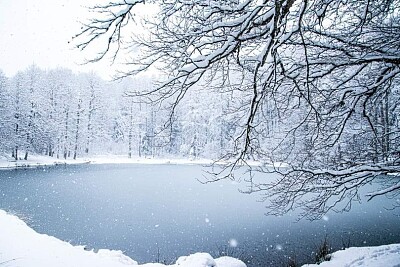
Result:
pixel 160 212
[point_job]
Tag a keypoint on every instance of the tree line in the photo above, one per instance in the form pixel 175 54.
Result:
pixel 66 115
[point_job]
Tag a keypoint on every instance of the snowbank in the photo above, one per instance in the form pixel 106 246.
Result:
pixel 23 247
pixel 381 256
pixel 37 160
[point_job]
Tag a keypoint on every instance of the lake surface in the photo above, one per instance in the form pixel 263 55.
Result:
pixel 159 212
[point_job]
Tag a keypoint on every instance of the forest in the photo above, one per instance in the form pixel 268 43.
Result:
pixel 66 115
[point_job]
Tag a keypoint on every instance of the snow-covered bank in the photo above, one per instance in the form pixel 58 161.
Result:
pixel 23 247
pixel 381 256
pixel 37 160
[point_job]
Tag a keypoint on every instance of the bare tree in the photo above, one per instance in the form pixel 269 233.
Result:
pixel 328 69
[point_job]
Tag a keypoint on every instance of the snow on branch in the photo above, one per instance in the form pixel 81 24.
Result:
pixel 314 84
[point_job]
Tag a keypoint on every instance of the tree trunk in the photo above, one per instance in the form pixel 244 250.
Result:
pixel 66 134
pixel 78 113
pixel 90 115
pixel 130 132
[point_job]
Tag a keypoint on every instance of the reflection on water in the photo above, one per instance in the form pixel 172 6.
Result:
pixel 160 212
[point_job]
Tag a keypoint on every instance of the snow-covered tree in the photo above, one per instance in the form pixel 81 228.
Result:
pixel 323 65
pixel 5 114
pixel 18 106
pixel 57 84
pixel 92 107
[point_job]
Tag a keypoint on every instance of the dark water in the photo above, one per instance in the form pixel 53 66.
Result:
pixel 159 212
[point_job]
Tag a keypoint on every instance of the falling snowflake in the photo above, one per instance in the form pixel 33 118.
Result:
pixel 233 243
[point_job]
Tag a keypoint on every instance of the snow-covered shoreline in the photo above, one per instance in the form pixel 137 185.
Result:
pixel 379 256
pixel 38 160
pixel 22 246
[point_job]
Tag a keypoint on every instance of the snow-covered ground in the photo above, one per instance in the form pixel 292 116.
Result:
pixel 35 160
pixel 38 160
pixel 23 247
pixel 381 256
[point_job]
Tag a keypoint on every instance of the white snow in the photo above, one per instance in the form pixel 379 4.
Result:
pixel 387 256
pixel 37 160
pixel 233 243
pixel 23 247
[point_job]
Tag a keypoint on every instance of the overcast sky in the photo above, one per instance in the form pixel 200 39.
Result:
pixel 37 32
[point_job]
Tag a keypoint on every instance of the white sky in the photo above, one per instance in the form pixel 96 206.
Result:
pixel 37 32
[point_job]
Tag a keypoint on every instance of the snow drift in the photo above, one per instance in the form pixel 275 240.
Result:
pixel 22 246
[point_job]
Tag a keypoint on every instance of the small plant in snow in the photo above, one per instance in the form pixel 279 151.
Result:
pixel 323 252
pixel 292 262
